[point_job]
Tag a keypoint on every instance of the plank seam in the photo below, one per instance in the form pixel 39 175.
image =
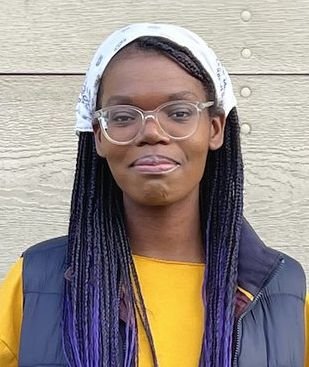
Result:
pixel 83 74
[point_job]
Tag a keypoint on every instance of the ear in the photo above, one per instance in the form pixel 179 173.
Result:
pixel 99 140
pixel 216 136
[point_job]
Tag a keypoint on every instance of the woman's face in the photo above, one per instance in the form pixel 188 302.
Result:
pixel 156 170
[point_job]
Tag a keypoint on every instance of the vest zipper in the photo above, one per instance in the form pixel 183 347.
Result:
pixel 253 303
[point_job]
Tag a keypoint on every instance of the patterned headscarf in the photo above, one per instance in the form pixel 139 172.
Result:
pixel 116 41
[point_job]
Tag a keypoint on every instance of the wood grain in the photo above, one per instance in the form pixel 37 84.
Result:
pixel 38 147
pixel 58 36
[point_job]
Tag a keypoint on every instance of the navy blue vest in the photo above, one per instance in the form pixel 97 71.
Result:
pixel 41 337
pixel 270 332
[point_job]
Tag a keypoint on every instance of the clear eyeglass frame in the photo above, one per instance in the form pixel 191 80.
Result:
pixel 99 116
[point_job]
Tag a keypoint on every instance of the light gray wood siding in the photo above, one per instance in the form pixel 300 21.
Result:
pixel 45 50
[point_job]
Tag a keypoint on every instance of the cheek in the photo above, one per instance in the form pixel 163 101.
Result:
pixel 197 167
pixel 118 165
pixel 197 156
pixel 115 165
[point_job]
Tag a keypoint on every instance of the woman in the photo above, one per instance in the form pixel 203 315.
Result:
pixel 159 267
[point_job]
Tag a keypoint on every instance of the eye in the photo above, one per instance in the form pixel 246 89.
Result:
pixel 179 113
pixel 121 117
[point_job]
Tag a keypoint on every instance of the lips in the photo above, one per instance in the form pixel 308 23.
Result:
pixel 155 164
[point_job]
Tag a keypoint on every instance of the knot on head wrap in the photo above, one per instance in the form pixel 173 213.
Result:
pixel 116 41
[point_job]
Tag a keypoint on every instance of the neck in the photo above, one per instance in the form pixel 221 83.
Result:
pixel 169 232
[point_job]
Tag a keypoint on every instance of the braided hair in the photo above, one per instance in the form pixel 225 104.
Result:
pixel 101 280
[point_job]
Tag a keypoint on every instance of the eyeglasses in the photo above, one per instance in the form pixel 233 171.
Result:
pixel 178 119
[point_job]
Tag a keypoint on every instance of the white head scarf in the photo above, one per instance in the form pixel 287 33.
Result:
pixel 116 41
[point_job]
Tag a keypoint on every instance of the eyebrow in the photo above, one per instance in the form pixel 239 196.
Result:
pixel 117 99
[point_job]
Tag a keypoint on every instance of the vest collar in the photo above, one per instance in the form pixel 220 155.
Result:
pixel 257 262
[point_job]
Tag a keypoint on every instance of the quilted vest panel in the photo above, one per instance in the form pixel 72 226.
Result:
pixel 43 282
pixel 272 332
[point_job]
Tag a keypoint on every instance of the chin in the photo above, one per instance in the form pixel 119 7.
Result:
pixel 154 197
pixel 154 193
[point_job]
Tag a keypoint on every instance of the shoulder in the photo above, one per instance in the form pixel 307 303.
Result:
pixel 261 266
pixel 44 265
pixel 293 267
pixel 45 252
pixel 47 247
pixel 292 277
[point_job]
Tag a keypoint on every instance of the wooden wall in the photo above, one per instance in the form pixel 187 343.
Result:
pixel 45 50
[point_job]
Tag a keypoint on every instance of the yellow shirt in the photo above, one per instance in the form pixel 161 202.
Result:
pixel 176 316
pixel 176 343
pixel 11 311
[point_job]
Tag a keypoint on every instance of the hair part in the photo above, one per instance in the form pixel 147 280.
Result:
pixel 104 281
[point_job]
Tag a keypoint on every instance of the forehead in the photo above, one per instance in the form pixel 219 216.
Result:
pixel 139 73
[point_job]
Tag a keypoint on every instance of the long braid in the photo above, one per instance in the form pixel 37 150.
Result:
pixel 224 202
pixel 101 271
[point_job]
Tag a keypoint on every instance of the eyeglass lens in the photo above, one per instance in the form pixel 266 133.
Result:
pixel 124 122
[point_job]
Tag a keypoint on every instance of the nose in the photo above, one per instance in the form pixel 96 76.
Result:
pixel 151 132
